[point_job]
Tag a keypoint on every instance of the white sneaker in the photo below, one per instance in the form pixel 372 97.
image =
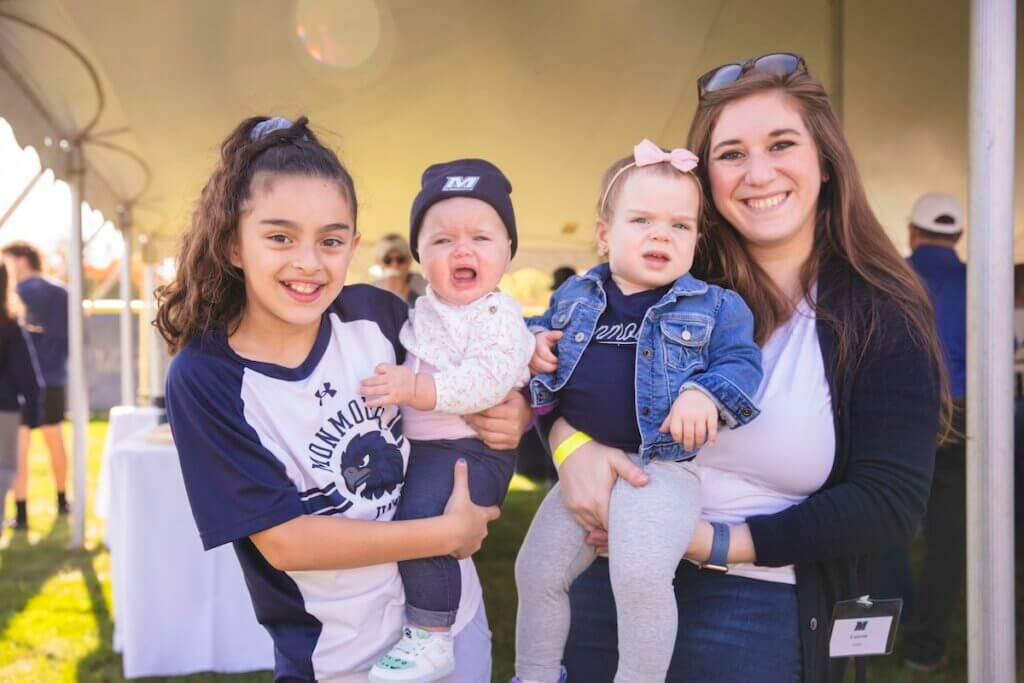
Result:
pixel 419 657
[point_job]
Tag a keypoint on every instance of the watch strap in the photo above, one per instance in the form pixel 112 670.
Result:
pixel 719 547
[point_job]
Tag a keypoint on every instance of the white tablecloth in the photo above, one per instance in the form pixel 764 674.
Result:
pixel 124 422
pixel 178 609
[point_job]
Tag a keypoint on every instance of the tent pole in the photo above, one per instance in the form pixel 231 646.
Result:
pixel 990 542
pixel 155 377
pixel 77 398
pixel 127 350
pixel 838 30
pixel 21 197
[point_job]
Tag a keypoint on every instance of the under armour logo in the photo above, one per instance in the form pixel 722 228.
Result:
pixel 459 182
pixel 860 626
pixel 325 392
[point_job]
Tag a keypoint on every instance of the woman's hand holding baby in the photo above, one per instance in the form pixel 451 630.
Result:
pixel 693 420
pixel 468 521
pixel 587 476
pixel 398 385
pixel 544 359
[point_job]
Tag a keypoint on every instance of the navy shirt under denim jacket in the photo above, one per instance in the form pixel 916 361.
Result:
pixel 885 404
pixel 697 335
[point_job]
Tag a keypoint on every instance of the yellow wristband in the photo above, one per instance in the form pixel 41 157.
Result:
pixel 569 446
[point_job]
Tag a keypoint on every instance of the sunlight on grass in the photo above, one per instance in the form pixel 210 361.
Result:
pixel 521 483
pixel 55 628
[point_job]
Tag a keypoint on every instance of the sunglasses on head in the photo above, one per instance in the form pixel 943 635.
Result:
pixel 398 260
pixel 777 63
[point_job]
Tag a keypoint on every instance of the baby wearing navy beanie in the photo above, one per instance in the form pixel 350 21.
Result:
pixel 468 347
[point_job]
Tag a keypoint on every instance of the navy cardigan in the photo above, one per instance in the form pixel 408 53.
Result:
pixel 20 381
pixel 885 404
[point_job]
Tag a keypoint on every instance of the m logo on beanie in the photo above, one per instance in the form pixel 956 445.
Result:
pixel 454 183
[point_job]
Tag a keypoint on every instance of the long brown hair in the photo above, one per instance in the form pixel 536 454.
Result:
pixel 847 234
pixel 207 291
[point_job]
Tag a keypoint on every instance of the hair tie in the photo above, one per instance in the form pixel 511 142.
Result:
pixel 646 153
pixel 265 128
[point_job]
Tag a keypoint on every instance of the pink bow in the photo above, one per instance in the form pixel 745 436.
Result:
pixel 647 153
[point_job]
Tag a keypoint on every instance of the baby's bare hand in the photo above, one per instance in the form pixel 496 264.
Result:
pixel 544 358
pixel 391 385
pixel 693 420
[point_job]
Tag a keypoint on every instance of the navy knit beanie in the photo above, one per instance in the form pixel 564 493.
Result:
pixel 474 178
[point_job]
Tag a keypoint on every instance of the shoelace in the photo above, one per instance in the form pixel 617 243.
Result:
pixel 408 646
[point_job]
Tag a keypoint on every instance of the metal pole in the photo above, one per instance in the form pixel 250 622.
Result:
pixel 838 63
pixel 127 348
pixel 21 197
pixel 990 543
pixel 77 399
pixel 155 377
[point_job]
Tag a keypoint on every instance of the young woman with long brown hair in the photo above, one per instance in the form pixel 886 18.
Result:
pixel 20 391
pixel 839 462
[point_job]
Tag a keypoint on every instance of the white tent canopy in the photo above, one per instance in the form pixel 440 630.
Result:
pixel 552 93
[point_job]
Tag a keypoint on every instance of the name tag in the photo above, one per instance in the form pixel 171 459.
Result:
pixel 864 627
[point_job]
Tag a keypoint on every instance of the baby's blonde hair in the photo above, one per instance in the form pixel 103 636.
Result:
pixel 619 172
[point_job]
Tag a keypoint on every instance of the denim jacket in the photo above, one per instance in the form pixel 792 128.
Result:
pixel 697 336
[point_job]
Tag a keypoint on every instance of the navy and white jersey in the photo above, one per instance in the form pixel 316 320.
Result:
pixel 261 444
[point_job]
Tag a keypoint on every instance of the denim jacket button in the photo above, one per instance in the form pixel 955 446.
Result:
pixel 580 337
pixel 645 411
pixel 646 353
pixel 745 412
pixel 686 335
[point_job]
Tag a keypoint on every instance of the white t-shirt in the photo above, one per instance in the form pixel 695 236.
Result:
pixel 261 444
pixel 786 454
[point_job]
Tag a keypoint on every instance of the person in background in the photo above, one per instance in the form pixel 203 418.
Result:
pixel 560 275
pixel 936 225
pixel 394 259
pixel 46 319
pixel 20 389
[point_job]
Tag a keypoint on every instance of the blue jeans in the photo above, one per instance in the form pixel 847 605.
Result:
pixel 433 586
pixel 731 628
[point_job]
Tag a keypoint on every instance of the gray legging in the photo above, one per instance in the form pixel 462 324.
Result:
pixel 649 529
pixel 9 423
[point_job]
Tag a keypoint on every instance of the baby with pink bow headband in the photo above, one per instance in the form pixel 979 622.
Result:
pixel 642 357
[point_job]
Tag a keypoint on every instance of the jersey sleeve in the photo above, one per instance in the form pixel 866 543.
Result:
pixel 496 362
pixel 366 302
pixel 235 486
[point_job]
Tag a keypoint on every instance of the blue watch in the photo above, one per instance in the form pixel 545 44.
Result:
pixel 719 548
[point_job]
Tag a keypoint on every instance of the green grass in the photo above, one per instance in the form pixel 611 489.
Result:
pixel 56 613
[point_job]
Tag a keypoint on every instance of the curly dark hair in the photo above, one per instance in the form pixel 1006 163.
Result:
pixel 208 291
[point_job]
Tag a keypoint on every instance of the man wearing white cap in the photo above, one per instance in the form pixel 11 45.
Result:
pixel 936 225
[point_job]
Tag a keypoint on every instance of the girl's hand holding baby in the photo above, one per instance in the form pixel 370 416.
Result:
pixel 544 359
pixel 693 420
pixel 398 385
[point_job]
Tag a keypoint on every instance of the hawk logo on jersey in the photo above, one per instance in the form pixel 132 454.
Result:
pixel 325 392
pixel 373 463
